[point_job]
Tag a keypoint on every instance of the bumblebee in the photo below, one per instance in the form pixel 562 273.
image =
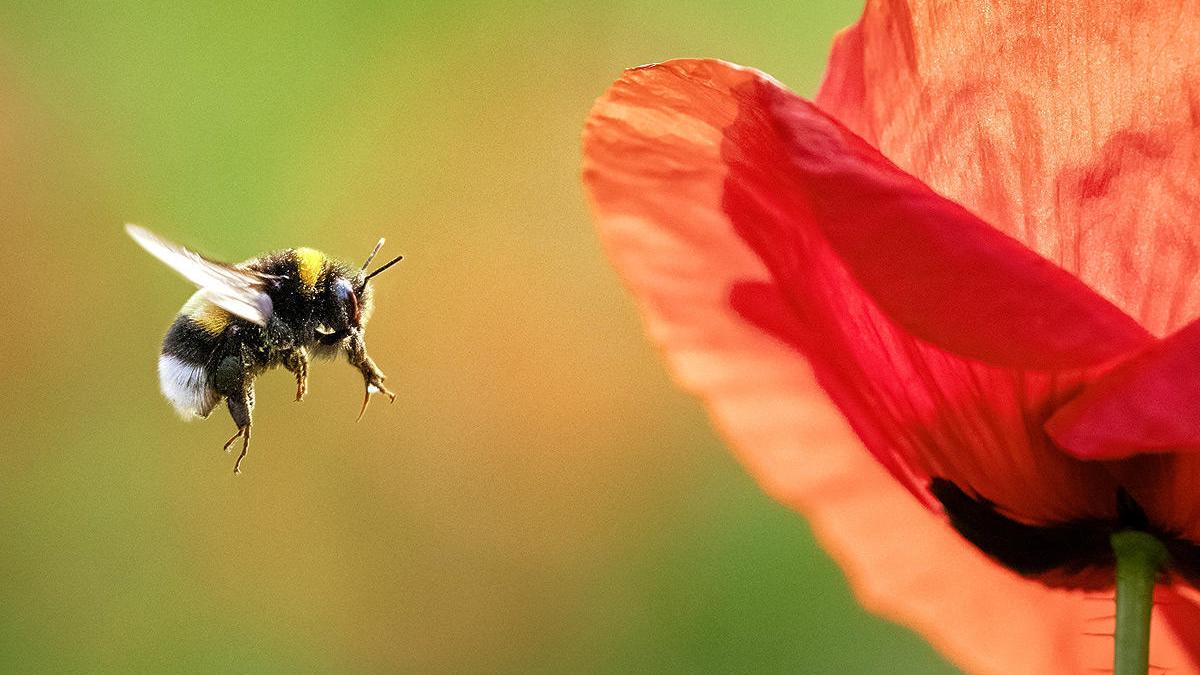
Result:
pixel 276 310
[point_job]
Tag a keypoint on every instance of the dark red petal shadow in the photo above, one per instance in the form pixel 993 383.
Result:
pixel 1149 403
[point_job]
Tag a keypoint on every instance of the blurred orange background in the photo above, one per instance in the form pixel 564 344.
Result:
pixel 539 498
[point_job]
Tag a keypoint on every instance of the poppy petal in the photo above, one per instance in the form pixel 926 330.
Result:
pixel 1148 403
pixel 1179 607
pixel 740 288
pixel 1164 486
pixel 1067 125
pixel 688 166
pixel 941 273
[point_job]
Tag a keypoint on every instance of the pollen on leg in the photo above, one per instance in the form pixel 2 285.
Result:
pixel 296 361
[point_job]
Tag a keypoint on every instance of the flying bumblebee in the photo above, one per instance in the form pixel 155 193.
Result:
pixel 275 310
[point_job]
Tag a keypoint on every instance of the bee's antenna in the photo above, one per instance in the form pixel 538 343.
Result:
pixel 393 262
pixel 372 256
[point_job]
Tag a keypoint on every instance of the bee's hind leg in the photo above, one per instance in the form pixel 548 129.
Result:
pixel 236 384
pixel 239 409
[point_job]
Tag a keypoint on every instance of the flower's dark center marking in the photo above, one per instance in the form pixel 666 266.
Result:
pixel 1059 548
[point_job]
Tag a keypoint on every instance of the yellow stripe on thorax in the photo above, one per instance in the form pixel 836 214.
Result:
pixel 309 263
pixel 209 317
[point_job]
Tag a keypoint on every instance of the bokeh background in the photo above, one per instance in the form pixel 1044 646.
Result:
pixel 539 498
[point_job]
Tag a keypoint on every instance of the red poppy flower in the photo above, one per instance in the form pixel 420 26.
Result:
pixel 943 309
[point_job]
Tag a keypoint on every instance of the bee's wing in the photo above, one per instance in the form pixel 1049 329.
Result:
pixel 234 289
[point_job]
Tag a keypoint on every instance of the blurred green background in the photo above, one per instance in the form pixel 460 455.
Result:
pixel 539 498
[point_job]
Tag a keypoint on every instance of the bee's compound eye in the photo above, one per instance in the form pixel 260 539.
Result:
pixel 345 293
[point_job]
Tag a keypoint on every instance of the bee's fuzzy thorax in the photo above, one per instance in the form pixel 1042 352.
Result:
pixel 310 265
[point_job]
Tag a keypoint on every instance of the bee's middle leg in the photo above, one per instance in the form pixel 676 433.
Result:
pixel 296 361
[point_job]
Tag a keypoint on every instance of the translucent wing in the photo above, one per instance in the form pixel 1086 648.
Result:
pixel 234 289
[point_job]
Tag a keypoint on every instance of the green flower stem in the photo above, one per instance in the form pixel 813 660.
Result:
pixel 1140 558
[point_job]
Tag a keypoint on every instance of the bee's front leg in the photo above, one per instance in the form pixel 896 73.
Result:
pixel 296 361
pixel 373 377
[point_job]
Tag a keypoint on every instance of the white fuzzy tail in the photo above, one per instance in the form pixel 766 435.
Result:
pixel 186 386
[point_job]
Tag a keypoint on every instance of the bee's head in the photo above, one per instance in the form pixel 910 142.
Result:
pixel 352 295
